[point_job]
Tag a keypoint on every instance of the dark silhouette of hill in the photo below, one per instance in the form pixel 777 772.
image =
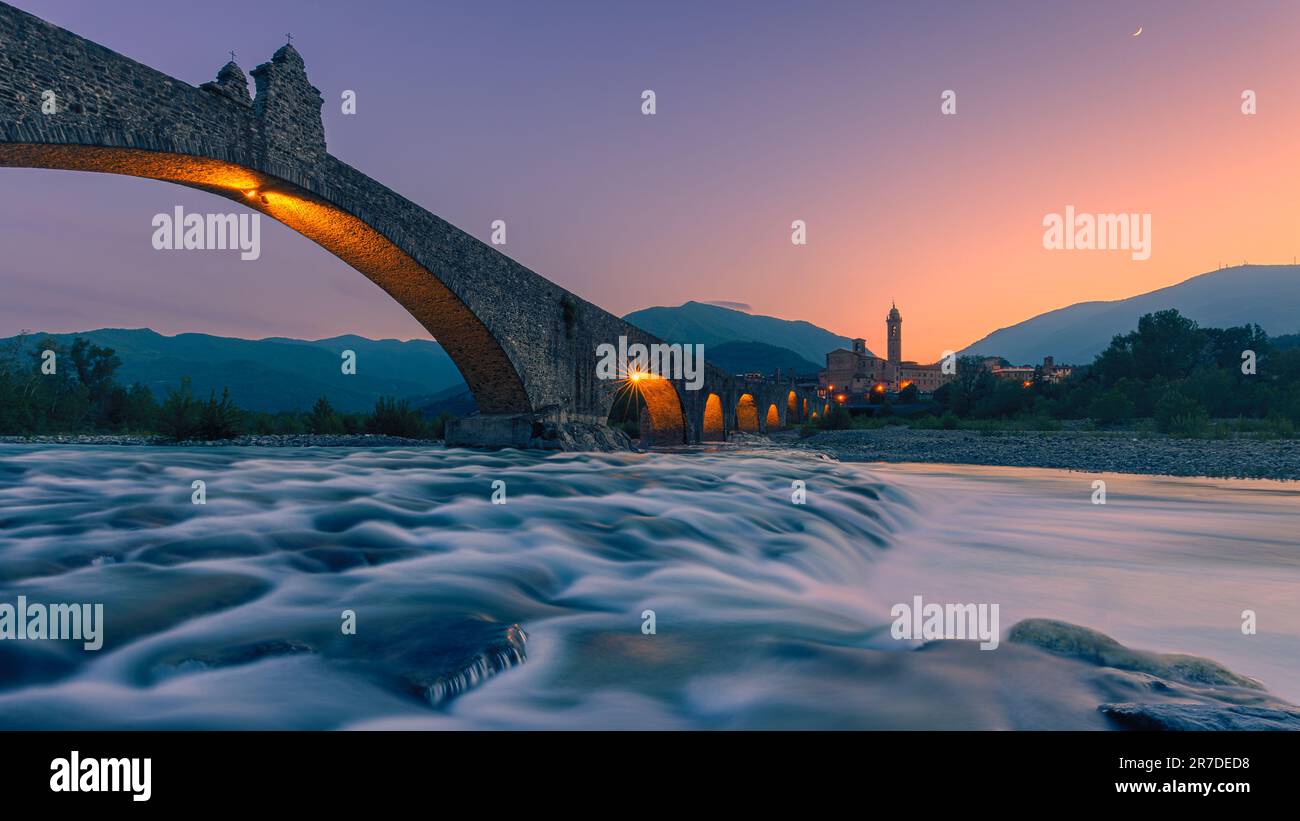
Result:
pixel 713 325
pixel 277 374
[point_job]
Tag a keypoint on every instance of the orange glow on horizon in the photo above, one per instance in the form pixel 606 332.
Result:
pixel 958 238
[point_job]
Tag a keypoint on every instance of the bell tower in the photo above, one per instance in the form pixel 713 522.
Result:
pixel 894 335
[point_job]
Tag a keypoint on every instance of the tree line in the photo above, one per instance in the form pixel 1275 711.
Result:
pixel 1169 374
pixel 76 391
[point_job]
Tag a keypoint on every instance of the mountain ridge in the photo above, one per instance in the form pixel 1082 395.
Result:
pixel 274 373
pixel 1267 295
pixel 695 322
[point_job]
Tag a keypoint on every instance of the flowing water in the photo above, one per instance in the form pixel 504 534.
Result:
pixel 529 614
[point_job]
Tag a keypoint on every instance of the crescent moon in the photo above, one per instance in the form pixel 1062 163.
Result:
pixel 1139 31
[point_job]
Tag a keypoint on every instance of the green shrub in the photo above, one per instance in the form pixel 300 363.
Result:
pixel 323 419
pixel 1179 415
pixel 837 418
pixel 1111 406
pixel 1274 426
pixel 178 417
pixel 396 418
pixel 1194 425
pixel 219 419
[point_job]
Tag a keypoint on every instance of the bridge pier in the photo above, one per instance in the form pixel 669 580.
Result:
pixel 549 429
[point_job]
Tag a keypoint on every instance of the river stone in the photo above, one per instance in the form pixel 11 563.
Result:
pixel 1173 716
pixel 1064 639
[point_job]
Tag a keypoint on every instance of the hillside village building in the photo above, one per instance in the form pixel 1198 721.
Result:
pixel 1049 371
pixel 854 372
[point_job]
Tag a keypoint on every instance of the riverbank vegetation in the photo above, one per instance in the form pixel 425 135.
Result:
pixel 75 390
pixel 1168 376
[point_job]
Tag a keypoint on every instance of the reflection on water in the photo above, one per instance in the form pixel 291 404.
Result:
pixel 529 614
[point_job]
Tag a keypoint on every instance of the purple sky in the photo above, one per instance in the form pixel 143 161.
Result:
pixel 530 112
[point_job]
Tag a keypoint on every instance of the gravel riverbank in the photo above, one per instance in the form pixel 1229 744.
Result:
pixel 1088 451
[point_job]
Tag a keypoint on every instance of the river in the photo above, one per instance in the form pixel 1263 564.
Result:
pixel 532 613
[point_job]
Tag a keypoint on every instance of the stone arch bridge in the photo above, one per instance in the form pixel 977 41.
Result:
pixel 525 346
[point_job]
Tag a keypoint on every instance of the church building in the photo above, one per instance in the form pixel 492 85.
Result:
pixel 857 372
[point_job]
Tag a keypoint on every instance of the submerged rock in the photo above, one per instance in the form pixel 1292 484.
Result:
pixel 1081 643
pixel 509 652
pixel 230 656
pixel 434 658
pixel 1174 716
pixel 1186 692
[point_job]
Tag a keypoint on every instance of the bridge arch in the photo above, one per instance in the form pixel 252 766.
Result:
pixel 713 428
pixel 747 413
pixel 493 378
pixel 526 347
pixel 773 419
pixel 661 412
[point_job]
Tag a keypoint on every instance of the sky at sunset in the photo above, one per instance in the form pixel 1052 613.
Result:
pixel 766 113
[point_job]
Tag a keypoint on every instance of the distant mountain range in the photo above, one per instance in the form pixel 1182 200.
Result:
pixel 1267 295
pixel 714 326
pixel 279 374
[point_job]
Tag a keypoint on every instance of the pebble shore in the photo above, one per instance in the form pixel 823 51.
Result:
pixel 1088 451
